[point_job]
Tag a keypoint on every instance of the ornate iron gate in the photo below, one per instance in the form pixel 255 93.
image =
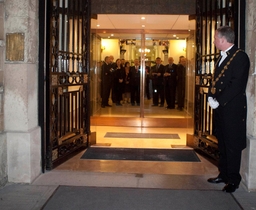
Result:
pixel 67 101
pixel 211 14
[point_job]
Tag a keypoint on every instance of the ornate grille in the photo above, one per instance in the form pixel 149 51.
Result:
pixel 68 117
pixel 211 14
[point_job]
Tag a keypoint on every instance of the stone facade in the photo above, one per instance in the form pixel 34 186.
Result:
pixel 20 137
pixel 3 147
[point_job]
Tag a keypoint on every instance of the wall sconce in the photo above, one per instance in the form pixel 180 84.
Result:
pixel 165 52
pixel 103 48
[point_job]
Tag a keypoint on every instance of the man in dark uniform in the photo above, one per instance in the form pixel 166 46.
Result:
pixel 170 81
pixel 181 82
pixel 135 83
pixel 156 74
pixel 107 80
pixel 228 99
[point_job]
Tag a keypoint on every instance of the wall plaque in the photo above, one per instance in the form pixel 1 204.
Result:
pixel 15 47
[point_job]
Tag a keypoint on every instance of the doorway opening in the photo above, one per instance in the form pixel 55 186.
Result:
pixel 143 37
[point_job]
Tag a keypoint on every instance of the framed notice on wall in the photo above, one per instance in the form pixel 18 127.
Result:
pixel 15 47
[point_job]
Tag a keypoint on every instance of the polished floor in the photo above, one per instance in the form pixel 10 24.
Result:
pixel 140 167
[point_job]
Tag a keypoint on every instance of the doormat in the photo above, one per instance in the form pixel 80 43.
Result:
pixel 107 198
pixel 141 135
pixel 141 154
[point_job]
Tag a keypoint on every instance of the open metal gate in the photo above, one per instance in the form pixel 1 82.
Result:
pixel 67 84
pixel 211 14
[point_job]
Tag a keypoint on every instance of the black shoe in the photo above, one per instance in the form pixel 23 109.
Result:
pixel 216 180
pixel 133 104
pixel 154 105
pixel 108 105
pixel 230 187
pixel 102 106
pixel 118 104
pixel 138 104
pixel 161 105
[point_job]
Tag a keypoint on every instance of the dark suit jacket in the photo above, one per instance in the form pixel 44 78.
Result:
pixel 157 80
pixel 172 79
pixel 134 76
pixel 230 116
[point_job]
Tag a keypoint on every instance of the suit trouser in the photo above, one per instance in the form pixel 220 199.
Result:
pixel 106 92
pixel 135 94
pixel 230 156
pixel 170 95
pixel 158 91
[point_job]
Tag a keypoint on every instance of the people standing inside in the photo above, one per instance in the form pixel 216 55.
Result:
pixel 181 80
pixel 156 74
pixel 107 81
pixel 123 62
pixel 119 76
pixel 228 99
pixel 113 66
pixel 127 85
pixel 170 81
pixel 135 83
pixel 147 80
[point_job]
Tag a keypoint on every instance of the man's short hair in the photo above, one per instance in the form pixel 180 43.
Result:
pixel 227 32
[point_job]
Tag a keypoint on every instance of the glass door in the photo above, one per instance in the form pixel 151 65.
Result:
pixel 147 47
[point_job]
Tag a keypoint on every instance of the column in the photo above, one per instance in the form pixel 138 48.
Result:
pixel 21 91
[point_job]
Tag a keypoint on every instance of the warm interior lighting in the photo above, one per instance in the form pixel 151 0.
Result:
pixel 144 50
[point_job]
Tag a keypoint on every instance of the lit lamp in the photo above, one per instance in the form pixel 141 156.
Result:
pixel 103 48
pixel 165 52
pixel 122 51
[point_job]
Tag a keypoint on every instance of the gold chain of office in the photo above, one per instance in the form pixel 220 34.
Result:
pixel 213 89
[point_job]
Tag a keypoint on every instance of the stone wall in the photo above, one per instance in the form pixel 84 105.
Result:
pixel 3 148
pixel 181 7
pixel 21 92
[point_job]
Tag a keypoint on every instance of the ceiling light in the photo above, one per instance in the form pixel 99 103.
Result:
pixel 98 25
pixel 174 35
pixel 143 18
pixel 112 34
pixel 143 26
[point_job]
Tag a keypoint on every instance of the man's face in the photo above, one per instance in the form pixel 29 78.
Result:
pixel 136 62
pixel 218 41
pixel 108 60
pixel 158 61
pixel 111 58
pixel 183 61
pixel 170 60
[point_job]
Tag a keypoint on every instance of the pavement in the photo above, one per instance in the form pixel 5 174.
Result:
pixel 34 196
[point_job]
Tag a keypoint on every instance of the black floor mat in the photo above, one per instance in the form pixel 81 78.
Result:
pixel 180 155
pixel 141 135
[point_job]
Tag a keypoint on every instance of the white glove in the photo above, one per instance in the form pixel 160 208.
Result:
pixel 213 103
